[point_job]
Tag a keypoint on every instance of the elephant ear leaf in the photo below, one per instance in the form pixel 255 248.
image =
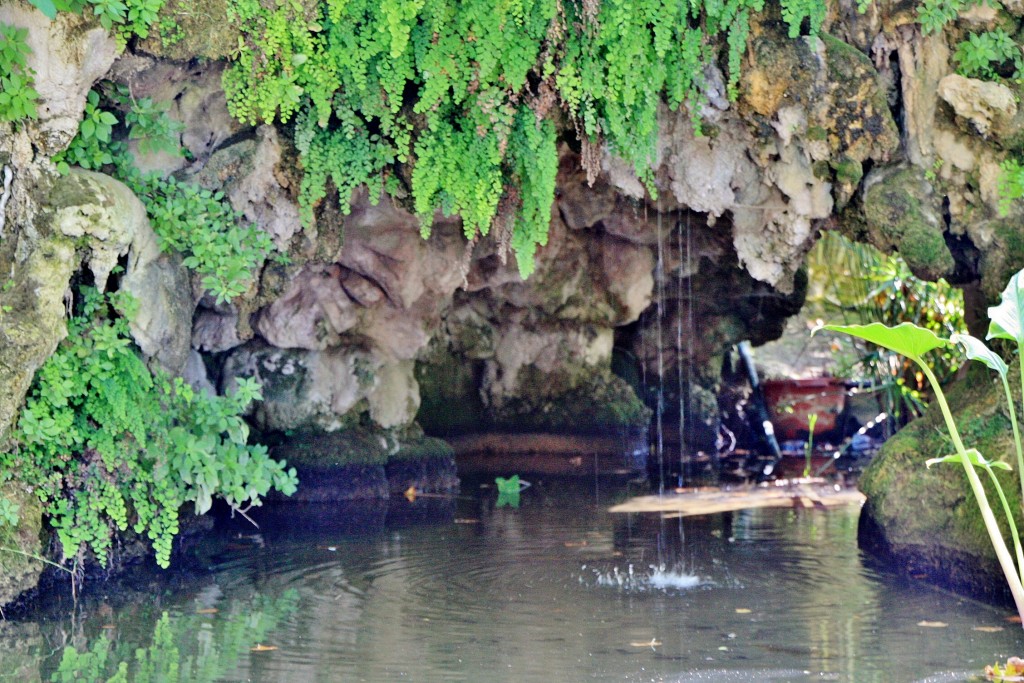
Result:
pixel 975 349
pixel 906 338
pixel 1005 319
pixel 46 7
pixel 974 457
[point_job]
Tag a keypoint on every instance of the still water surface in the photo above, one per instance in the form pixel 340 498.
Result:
pixel 555 590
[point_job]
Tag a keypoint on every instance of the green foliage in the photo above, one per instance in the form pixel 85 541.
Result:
pixel 861 284
pixel 17 96
pixel 795 12
pixel 1011 184
pixel 8 513
pixel 1006 322
pixel 933 15
pixel 107 445
pixel 199 223
pixel 357 74
pixel 46 7
pixel 982 54
pixel 216 242
pixel 93 147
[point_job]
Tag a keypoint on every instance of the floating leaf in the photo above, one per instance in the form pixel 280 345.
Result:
pixel 1007 316
pixel 207 610
pixel 262 648
pixel 974 457
pixel 742 610
pixel 932 624
pixel 652 643
pixel 975 349
pixel 906 338
pixel 988 629
pixel 508 486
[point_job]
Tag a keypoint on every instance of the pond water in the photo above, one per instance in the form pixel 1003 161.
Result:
pixel 557 589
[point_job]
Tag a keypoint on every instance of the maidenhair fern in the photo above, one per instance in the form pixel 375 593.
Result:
pixel 446 86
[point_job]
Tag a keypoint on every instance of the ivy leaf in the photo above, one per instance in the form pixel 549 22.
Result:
pixel 1007 316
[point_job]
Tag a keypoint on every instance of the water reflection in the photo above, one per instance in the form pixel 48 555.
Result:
pixel 461 590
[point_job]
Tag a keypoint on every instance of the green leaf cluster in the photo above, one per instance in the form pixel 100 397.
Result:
pixel 17 96
pixel 441 92
pixel 199 223
pixel 982 55
pixel 217 243
pixel 933 15
pixel 108 445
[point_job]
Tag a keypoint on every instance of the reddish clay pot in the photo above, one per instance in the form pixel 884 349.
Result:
pixel 791 401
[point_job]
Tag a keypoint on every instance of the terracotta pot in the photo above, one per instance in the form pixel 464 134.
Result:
pixel 791 401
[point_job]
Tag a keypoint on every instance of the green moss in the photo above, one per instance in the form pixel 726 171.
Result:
pixel 930 513
pixel 816 133
pixel 847 170
pixel 449 393
pixel 322 450
pixel 18 571
pixel 901 212
pixel 600 403
pixel 424 448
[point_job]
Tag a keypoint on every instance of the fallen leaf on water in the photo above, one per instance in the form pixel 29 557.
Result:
pixel 742 610
pixel 410 493
pixel 988 629
pixel 207 610
pixel 466 520
pixel 932 624
pixel 575 544
pixel 262 648
pixel 108 626
pixel 1013 618
pixel 645 643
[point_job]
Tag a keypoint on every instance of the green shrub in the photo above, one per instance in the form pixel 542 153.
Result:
pixel 982 54
pixel 108 445
pixel 17 96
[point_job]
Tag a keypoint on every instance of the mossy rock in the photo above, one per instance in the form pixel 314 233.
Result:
pixel 195 29
pixel 20 544
pixel 449 393
pixel 925 520
pixel 600 404
pixel 903 213
pixel 364 462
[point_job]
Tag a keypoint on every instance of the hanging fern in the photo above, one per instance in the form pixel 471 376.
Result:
pixel 448 86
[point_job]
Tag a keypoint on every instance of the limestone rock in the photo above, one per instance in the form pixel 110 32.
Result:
pixel 985 104
pixel 247 173
pixel 68 55
pixel 324 390
pixel 313 312
pixel 192 94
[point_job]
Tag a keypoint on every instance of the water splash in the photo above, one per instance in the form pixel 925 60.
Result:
pixel 657 577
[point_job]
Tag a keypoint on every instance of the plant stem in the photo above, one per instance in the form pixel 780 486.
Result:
pixel 1020 456
pixel 991 525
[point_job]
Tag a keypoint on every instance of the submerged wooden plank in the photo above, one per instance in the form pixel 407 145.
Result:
pixel 706 501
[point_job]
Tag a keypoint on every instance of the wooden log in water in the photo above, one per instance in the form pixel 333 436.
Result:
pixel 709 500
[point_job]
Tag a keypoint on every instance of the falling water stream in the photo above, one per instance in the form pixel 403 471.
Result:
pixel 558 589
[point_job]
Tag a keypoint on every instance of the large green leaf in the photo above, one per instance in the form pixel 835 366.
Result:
pixel 1007 316
pixel 974 457
pixel 975 349
pixel 46 7
pixel 906 338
